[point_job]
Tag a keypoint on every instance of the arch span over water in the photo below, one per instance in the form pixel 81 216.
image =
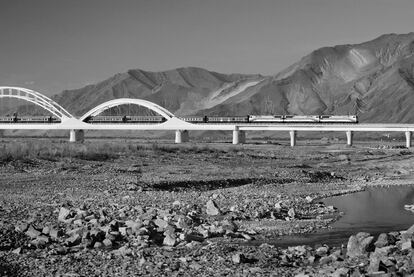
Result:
pixel 37 99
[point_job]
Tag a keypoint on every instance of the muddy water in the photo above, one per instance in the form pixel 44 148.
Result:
pixel 375 210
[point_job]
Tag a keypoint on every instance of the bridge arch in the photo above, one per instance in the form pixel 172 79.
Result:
pixel 37 99
pixel 122 101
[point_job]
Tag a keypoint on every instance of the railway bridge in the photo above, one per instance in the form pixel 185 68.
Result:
pixel 77 126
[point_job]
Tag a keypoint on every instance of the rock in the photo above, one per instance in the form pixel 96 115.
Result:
pixel 21 227
pixel 326 260
pixel 407 245
pixel 161 224
pixel 63 214
pixel 383 240
pixel 410 230
pixel 32 232
pixel 291 213
pixel 107 243
pixel 46 230
pixel 359 245
pixel 170 239
pixel 17 251
pixel 211 208
pixel 321 251
pixel 237 258
pixel 40 241
pixel 341 272
pixel 74 240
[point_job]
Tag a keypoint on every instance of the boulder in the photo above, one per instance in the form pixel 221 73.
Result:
pixel 384 240
pixel 63 214
pixel 359 245
pixel 32 232
pixel 212 208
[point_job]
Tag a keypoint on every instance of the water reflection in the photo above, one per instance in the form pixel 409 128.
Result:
pixel 376 210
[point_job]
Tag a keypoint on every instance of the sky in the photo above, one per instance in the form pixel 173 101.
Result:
pixel 52 45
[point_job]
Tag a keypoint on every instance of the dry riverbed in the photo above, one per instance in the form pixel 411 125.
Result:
pixel 107 208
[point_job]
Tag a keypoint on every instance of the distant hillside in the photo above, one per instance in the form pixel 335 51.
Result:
pixel 374 79
pixel 182 90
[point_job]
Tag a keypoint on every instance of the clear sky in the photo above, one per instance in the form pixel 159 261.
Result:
pixel 51 45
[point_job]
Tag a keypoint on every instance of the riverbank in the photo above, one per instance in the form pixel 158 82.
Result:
pixel 166 209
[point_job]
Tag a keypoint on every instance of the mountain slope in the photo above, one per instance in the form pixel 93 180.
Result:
pixel 182 91
pixel 374 79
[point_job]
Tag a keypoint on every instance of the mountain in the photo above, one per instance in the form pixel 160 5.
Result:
pixel 183 91
pixel 374 79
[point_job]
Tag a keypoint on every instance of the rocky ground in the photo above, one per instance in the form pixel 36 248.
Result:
pixel 113 208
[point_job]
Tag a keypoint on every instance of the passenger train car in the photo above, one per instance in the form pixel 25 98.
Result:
pixel 125 119
pixel 29 119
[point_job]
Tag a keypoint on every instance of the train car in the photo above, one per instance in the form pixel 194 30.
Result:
pixel 227 119
pixel 33 119
pixel 338 119
pixel 144 119
pixel 7 119
pixel 105 119
pixel 301 119
pixel 266 118
pixel 194 119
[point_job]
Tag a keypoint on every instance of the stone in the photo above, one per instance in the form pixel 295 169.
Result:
pixel 341 272
pixel 407 245
pixel 17 251
pixel 74 240
pixel 359 245
pixel 170 239
pixel 160 223
pixel 410 230
pixel 291 213
pixel 326 260
pixel 32 232
pixel 63 214
pixel 21 227
pixel 383 240
pixel 322 251
pixel 238 258
pixel 46 230
pixel 40 241
pixel 107 243
pixel 212 209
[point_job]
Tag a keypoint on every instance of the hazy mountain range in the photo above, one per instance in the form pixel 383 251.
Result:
pixel 374 79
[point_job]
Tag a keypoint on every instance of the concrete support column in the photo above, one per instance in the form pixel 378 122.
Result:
pixel 181 136
pixel 76 136
pixel 238 136
pixel 349 137
pixel 408 139
pixel 292 134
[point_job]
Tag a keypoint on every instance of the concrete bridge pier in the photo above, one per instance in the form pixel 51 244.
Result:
pixel 408 139
pixel 76 136
pixel 181 136
pixel 349 137
pixel 292 134
pixel 239 136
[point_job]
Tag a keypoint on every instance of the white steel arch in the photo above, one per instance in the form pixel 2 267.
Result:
pixel 37 99
pixel 122 101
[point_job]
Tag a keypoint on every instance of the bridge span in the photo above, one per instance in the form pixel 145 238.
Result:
pixel 77 126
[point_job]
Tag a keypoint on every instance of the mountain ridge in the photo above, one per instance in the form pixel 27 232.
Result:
pixel 374 79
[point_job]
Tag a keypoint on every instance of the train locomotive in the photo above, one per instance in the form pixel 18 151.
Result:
pixel 273 119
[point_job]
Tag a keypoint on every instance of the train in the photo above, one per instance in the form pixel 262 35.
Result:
pixel 273 119
pixel 192 119
pixel 29 119
pixel 124 119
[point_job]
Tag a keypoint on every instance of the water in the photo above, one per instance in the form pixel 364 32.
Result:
pixel 375 210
